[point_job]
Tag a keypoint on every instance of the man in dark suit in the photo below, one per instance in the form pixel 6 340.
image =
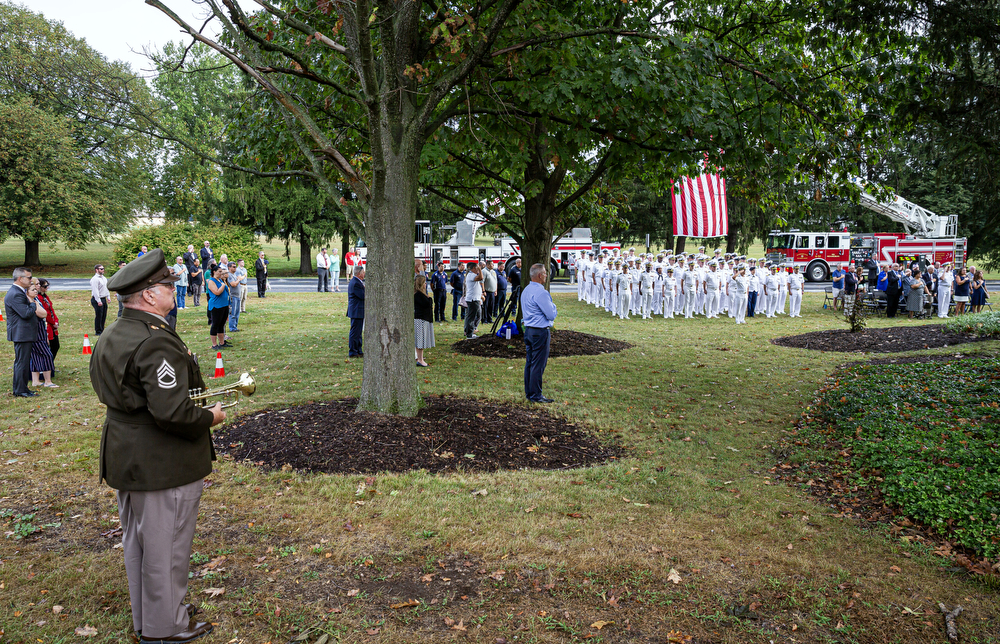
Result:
pixel 356 311
pixel 260 270
pixel 207 255
pixel 892 292
pixel 22 329
pixel 872 267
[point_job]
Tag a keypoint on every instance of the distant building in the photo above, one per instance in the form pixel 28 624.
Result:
pixel 148 219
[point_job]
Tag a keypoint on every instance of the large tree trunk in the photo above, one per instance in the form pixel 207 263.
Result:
pixel 388 382
pixel 31 253
pixel 345 241
pixel 731 238
pixel 680 241
pixel 305 254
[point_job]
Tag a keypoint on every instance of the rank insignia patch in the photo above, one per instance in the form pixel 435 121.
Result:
pixel 166 376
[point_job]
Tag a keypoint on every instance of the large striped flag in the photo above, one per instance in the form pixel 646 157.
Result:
pixel 699 205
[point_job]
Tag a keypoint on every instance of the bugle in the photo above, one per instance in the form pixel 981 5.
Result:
pixel 245 385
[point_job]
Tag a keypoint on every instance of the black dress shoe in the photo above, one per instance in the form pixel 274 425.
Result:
pixel 193 632
pixel 27 394
pixel 543 399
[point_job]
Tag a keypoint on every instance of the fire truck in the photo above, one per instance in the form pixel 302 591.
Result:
pixel 461 247
pixel 928 238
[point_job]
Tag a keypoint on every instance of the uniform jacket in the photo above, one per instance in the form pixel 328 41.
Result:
pixel 457 281
pixel 155 437
pixel 260 267
pixel 21 324
pixel 356 298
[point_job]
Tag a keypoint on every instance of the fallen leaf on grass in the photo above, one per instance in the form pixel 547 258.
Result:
pixel 85 631
pixel 498 575
pixel 531 509
pixel 482 492
pixel 677 637
pixel 674 576
pixel 57 609
pixel 353 592
pixel 895 569
pixel 574 515
pixel 600 624
pixel 427 578
pixel 214 592
pixel 459 626
pixel 407 604
pixel 373 631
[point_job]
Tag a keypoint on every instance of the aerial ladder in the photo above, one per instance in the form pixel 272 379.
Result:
pixel 923 222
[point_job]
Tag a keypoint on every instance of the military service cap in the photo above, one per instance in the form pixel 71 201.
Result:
pixel 148 270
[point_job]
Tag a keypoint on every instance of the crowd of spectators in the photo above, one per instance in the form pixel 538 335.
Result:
pixel 919 288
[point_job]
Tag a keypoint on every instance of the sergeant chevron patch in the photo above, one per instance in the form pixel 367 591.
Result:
pixel 166 376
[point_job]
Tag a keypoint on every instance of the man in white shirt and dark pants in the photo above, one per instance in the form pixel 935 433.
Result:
pixel 99 297
pixel 323 272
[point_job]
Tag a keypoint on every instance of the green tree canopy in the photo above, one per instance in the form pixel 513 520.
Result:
pixel 64 77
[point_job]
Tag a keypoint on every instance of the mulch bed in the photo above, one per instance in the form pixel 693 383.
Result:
pixel 883 340
pixel 564 343
pixel 449 434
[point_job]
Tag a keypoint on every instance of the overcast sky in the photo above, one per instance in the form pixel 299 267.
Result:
pixel 120 29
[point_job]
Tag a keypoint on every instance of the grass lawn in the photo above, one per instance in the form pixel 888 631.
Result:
pixel 686 536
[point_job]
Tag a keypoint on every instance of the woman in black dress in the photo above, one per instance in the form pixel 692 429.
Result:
pixel 423 318
pixel 41 354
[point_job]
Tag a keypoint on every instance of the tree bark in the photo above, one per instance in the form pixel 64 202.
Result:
pixel 680 241
pixel 31 253
pixel 345 241
pixel 731 238
pixel 305 254
pixel 388 382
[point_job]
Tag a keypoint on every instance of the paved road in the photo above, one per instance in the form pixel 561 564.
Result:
pixel 308 284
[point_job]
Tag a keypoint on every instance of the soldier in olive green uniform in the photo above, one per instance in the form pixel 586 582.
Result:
pixel 155 447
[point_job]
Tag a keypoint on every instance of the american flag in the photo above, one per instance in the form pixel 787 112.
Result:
pixel 699 205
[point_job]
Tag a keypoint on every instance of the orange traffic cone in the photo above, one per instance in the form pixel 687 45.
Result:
pixel 220 371
pixel 86 345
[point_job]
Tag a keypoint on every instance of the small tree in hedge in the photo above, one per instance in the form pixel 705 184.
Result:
pixel 857 316
pixel 235 241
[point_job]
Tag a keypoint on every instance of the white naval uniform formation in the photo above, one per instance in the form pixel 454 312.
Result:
pixel 626 284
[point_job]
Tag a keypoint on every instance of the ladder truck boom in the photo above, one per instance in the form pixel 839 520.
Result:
pixel 922 221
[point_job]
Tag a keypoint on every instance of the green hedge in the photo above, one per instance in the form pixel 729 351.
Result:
pixel 981 324
pixel 928 435
pixel 235 241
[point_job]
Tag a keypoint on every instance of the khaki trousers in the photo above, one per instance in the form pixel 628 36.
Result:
pixel 157 531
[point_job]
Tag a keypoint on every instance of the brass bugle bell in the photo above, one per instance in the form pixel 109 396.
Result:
pixel 245 385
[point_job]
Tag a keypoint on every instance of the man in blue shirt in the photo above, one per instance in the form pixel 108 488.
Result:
pixel 439 286
pixel 838 285
pixel 539 313
pixel 457 287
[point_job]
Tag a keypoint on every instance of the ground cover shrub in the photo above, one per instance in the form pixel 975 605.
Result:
pixel 928 435
pixel 981 324
pixel 235 241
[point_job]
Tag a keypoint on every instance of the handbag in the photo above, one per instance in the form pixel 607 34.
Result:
pixel 462 303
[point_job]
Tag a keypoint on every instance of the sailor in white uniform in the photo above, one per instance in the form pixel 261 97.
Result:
pixel 669 293
pixel 689 289
pixel 647 281
pixel 623 285
pixel 741 288
pixel 710 289
pixel 796 284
